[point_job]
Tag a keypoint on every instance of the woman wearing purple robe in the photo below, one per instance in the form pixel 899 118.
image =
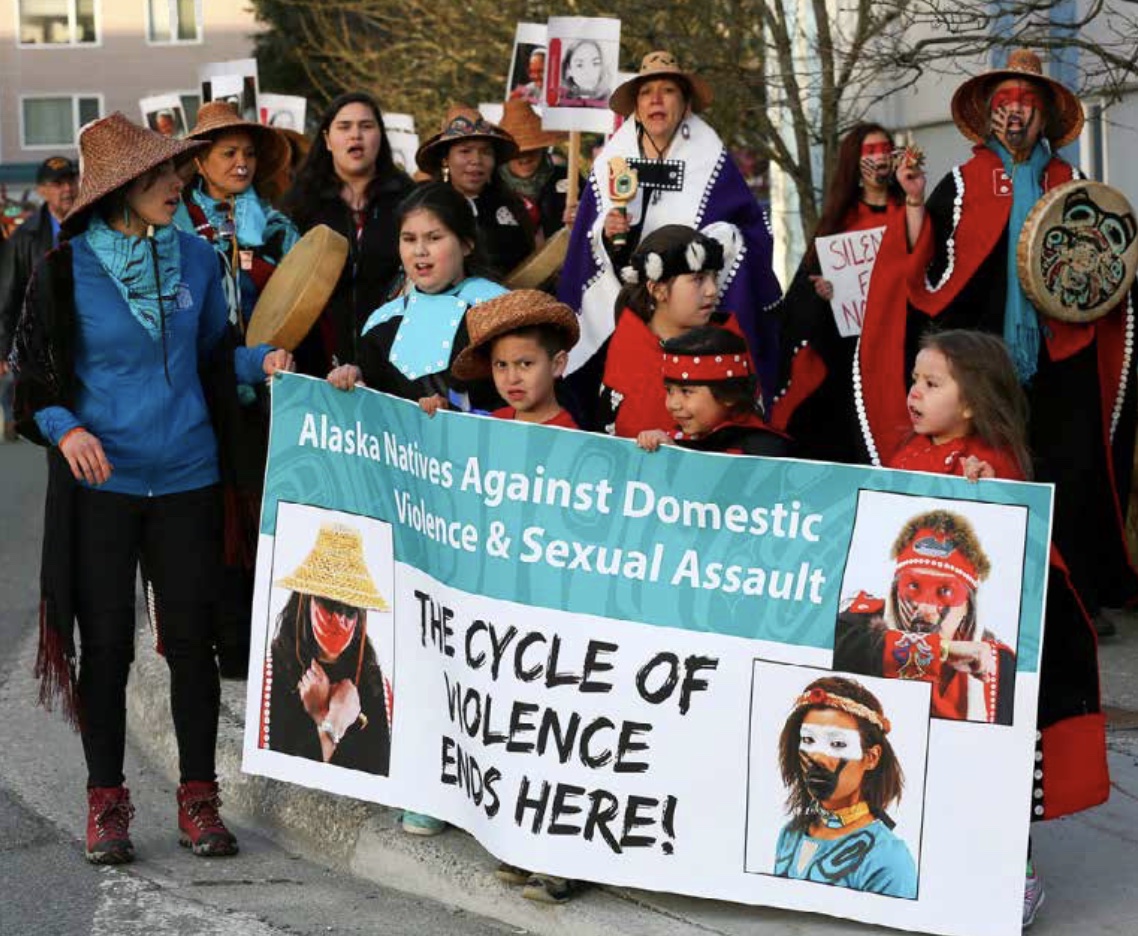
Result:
pixel 685 177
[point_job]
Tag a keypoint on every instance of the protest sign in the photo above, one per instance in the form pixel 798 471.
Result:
pixel 580 73
pixel 527 64
pixel 164 113
pixel 234 82
pixel 283 111
pixel 618 666
pixel 404 141
pixel 847 261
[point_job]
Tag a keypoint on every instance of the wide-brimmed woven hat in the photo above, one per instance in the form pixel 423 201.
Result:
pixel 464 123
pixel 970 103
pixel 113 152
pixel 218 117
pixel 335 569
pixel 522 122
pixel 506 313
pixel 659 65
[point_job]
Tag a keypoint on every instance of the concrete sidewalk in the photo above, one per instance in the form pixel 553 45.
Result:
pixel 1087 861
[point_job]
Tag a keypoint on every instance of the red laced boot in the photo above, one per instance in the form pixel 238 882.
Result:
pixel 108 825
pixel 199 825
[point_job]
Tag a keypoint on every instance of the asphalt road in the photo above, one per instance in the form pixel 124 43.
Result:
pixel 46 887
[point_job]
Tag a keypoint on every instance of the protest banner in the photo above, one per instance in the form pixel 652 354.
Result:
pixel 403 140
pixel 580 73
pixel 847 261
pixel 618 666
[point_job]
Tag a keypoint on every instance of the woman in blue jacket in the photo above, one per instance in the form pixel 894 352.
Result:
pixel 123 339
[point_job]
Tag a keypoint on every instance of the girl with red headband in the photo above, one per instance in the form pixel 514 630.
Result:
pixel 710 391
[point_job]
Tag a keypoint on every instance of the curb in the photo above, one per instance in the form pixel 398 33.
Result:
pixel 367 839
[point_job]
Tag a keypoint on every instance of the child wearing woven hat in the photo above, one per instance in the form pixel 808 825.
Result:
pixel 522 340
pixel 710 391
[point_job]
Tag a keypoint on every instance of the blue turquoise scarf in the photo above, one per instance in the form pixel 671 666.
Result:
pixel 129 262
pixel 254 220
pixel 1021 321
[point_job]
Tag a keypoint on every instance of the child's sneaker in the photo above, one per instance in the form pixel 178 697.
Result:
pixel 545 888
pixel 1033 896
pixel 419 824
pixel 511 874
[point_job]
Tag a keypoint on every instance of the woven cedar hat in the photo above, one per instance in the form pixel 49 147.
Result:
pixel 335 569
pixel 464 123
pixel 217 117
pixel 970 110
pixel 506 313
pixel 113 152
pixel 659 65
pixel 522 122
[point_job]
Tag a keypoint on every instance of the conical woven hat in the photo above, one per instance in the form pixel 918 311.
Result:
pixel 506 313
pixel 522 122
pixel 970 102
pixel 335 569
pixel 114 152
pixel 464 123
pixel 659 64
pixel 217 117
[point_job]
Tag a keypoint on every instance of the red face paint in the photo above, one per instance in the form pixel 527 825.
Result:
pixel 333 631
pixel 870 150
pixel 1026 98
pixel 924 588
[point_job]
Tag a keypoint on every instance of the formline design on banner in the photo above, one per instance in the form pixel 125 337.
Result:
pixel 619 666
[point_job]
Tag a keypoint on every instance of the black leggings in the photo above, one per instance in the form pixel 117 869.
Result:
pixel 177 540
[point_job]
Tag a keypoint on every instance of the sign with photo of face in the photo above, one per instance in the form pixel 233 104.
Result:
pixel 164 113
pixel 234 82
pixel 581 71
pixel 404 141
pixel 282 111
pixel 526 77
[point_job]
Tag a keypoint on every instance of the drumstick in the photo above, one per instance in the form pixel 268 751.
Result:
pixel 574 168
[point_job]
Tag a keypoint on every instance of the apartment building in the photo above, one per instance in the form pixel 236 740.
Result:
pixel 65 62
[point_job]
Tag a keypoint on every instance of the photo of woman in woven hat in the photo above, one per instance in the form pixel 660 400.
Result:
pixel 349 181
pixel 841 776
pixel 466 154
pixel 327 696
pixel 119 325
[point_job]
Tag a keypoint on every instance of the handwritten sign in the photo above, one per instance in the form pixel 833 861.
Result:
pixel 847 262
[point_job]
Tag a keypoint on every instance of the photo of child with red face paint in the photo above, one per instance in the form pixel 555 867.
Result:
pixel 328 699
pixel 842 774
pixel 928 627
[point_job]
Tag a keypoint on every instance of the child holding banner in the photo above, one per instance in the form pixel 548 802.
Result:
pixel 407 345
pixel 711 393
pixel 671 286
pixel 969 415
pixel 522 339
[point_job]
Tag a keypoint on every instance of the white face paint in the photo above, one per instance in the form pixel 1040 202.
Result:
pixel 827 741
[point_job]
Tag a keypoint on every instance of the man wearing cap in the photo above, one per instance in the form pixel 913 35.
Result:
pixel 685 177
pixel 927 628
pixel 955 264
pixel 57 181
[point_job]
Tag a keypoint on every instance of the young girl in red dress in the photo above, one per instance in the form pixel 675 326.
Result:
pixel 710 392
pixel 672 286
pixel 968 410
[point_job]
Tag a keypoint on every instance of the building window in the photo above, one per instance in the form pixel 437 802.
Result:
pixel 174 20
pixel 53 121
pixel 57 22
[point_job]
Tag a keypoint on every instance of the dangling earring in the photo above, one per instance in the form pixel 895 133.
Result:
pixel 126 215
pixel 684 131
pixel 446 172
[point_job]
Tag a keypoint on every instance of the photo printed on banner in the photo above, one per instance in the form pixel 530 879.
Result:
pixel 329 684
pixel 931 592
